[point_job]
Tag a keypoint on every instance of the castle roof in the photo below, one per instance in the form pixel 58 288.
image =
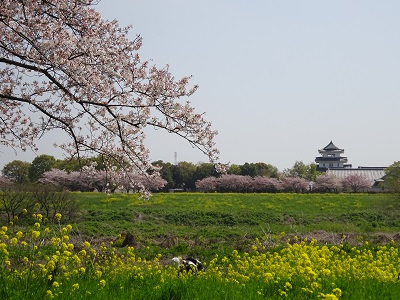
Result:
pixel 373 174
pixel 331 146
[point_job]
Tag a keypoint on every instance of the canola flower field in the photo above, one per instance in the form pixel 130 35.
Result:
pixel 42 263
pixel 45 260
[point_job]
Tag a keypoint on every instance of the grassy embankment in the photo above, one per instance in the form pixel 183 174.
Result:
pixel 203 224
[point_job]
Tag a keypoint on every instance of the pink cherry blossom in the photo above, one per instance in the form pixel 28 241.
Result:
pixel 295 184
pixel 356 183
pixel 327 183
pixel 63 67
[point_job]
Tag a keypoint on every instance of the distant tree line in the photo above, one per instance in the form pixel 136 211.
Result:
pixel 184 175
pixel 78 175
pixel 91 174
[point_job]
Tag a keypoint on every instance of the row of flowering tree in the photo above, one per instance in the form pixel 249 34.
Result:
pixel 323 183
pixel 91 179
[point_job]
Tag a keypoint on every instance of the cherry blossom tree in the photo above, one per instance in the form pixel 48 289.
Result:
pixel 90 179
pixel 238 183
pixel 327 183
pixel 295 184
pixel 134 182
pixel 208 184
pixel 225 183
pixel 356 183
pixel 266 184
pixel 234 183
pixel 63 67
pixel 73 181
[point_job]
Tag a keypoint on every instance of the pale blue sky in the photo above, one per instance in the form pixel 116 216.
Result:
pixel 278 79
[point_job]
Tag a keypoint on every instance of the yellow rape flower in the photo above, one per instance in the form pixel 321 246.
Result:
pixel 35 234
pixel 288 285
pixel 49 294
pixel 51 265
pixel 55 241
pixel 98 273
pixel 76 259
pixel 102 283
pixel 283 293
pixel 58 216
pixel 328 296
pixel 337 292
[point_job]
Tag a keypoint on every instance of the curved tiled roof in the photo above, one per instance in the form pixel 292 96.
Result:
pixel 331 146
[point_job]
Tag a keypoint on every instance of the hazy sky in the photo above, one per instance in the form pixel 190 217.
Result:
pixel 278 79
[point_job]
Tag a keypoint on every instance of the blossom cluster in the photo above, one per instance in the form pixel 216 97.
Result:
pixel 102 180
pixel 63 67
pixel 323 183
pixel 240 183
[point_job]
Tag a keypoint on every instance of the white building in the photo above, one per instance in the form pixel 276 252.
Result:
pixel 332 162
pixel 331 158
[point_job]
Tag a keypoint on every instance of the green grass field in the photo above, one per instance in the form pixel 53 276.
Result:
pixel 201 224
pixel 253 246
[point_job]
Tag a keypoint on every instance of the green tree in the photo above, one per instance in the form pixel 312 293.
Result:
pixel 299 169
pixel 167 173
pixel 266 170
pixel 392 177
pixel 17 171
pixel 234 169
pixel 68 164
pixel 39 165
pixel 204 170
pixel 312 172
pixel 302 170
pixel 71 164
pixel 248 170
pixel 184 175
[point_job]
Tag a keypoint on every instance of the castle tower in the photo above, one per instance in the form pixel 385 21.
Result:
pixel 331 158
